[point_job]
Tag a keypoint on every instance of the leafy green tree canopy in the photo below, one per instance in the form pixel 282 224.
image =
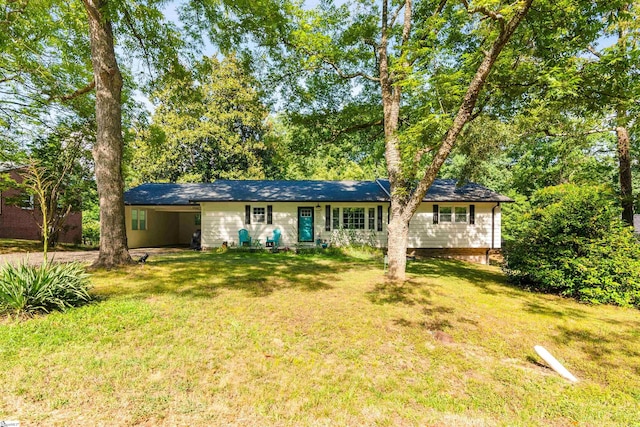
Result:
pixel 207 124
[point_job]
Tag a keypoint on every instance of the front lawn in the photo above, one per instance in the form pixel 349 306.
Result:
pixel 8 246
pixel 254 339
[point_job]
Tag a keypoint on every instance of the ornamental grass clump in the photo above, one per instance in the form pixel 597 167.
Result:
pixel 27 289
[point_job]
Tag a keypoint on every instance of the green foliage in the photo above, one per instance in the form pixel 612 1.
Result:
pixel 573 242
pixel 208 124
pixel 91 225
pixel 27 289
pixel 350 237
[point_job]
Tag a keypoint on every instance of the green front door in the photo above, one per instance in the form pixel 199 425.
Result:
pixel 305 224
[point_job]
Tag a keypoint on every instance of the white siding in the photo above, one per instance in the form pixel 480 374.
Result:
pixel 497 232
pixel 222 221
pixel 423 233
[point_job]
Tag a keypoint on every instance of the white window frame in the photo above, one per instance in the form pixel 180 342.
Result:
pixel 441 214
pixel 466 214
pixel 257 217
pixel 30 205
pixel 135 223
pixel 351 223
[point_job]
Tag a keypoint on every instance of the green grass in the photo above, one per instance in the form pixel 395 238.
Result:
pixel 281 339
pixel 8 246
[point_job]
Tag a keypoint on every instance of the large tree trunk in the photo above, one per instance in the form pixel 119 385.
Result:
pixel 391 98
pixel 107 151
pixel 626 186
pixel 398 230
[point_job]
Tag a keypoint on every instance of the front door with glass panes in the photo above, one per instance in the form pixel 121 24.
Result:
pixel 305 224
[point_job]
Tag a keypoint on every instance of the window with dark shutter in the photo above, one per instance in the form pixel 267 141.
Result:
pixel 327 218
pixel 269 214
pixel 379 218
pixel 435 214
pixel 247 214
pixel 472 214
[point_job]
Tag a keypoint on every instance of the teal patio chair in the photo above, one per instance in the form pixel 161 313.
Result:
pixel 243 238
pixel 276 239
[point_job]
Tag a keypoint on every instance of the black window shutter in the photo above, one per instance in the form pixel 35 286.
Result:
pixel 435 214
pixel 472 214
pixel 247 214
pixel 327 218
pixel 269 214
pixel 379 218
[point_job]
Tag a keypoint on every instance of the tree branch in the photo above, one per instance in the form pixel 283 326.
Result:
pixel 359 126
pixel 22 6
pixel 406 28
pixel 137 36
pixel 331 63
pixel 593 50
pixel 434 31
pixel 88 88
pixel 420 153
pixel 483 10
pixel 438 10
pixel 466 108
pixel 548 133
pixel 395 15
pixel 344 75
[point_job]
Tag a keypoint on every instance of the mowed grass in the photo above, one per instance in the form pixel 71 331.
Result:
pixel 257 339
pixel 8 246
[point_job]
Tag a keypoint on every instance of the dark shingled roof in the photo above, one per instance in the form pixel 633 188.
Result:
pixel 445 190
pixel 296 191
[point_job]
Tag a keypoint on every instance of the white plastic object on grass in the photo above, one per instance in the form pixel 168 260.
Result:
pixel 557 366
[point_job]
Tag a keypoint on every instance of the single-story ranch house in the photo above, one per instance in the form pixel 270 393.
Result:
pixel 451 221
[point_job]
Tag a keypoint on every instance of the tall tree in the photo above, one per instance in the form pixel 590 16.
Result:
pixel 60 56
pixel 406 54
pixel 207 124
pixel 109 145
pixel 612 85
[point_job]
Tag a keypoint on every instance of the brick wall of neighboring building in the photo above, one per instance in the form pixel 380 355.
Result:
pixel 19 223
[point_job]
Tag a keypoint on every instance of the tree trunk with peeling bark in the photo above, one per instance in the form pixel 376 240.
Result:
pixel 626 186
pixel 108 148
pixel 404 199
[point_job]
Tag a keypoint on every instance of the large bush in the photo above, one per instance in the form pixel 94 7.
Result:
pixel 27 289
pixel 573 242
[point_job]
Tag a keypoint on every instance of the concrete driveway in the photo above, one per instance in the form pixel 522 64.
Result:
pixel 80 256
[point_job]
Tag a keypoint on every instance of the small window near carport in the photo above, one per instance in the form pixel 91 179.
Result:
pixel 379 218
pixel 372 218
pixel 269 214
pixel 472 214
pixel 198 219
pixel 138 219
